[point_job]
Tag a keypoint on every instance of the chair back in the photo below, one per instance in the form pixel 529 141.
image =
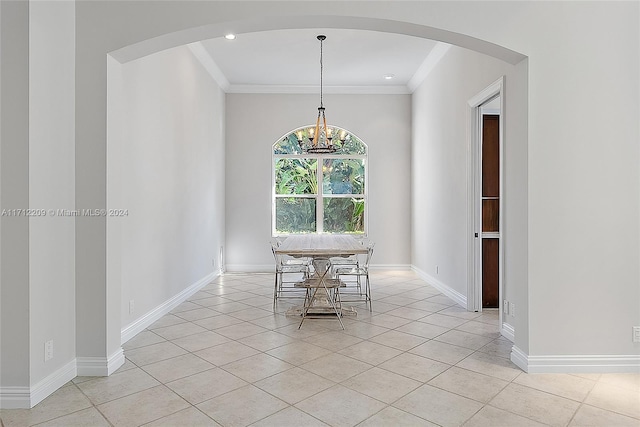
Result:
pixel 276 242
pixel 369 254
pixel 277 257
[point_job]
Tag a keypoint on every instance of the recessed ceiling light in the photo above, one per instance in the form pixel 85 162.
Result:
pixel 230 36
pixel 389 76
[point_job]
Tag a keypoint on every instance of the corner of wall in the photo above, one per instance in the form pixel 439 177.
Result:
pixel 456 296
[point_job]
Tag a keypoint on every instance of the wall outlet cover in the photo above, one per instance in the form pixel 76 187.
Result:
pixel 48 350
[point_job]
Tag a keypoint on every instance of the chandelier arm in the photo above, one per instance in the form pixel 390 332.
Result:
pixel 316 134
pixel 327 135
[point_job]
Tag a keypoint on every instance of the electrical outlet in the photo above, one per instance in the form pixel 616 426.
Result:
pixel 505 307
pixel 132 306
pixel 512 309
pixel 48 350
pixel 636 334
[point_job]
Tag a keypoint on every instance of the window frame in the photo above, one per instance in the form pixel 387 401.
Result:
pixel 319 198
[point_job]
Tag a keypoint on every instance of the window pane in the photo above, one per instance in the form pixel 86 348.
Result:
pixel 343 176
pixel 295 215
pixel 343 215
pixel 288 145
pixel 351 144
pixel 296 176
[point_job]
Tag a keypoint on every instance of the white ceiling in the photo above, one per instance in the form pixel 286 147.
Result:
pixel 290 60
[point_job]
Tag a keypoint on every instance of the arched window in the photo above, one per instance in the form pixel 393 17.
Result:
pixel 319 193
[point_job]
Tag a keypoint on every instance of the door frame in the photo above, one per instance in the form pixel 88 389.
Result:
pixel 474 203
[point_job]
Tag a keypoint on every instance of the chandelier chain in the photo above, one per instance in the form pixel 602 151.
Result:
pixel 321 66
pixel 319 137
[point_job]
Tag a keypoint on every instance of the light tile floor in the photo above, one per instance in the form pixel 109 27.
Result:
pixel 225 358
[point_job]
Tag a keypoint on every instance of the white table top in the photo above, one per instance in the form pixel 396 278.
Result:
pixel 321 245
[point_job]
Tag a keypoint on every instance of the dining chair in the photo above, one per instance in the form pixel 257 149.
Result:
pixel 287 259
pixel 357 272
pixel 348 261
pixel 285 267
pixel 329 301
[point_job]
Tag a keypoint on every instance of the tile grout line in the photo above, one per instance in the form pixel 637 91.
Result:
pixel 491 350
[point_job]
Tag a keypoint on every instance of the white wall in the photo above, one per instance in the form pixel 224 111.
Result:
pixel 584 277
pixel 256 121
pixel 37 172
pixel 51 185
pixel 440 159
pixel 582 186
pixel 171 176
pixel 14 194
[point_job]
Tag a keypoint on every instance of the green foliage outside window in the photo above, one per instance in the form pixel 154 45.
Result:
pixel 352 144
pixel 344 215
pixel 295 215
pixel 296 175
pixel 343 176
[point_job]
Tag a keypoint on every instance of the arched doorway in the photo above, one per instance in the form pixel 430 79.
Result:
pixel 141 48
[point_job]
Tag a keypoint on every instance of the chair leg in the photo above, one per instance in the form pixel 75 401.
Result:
pixel 332 300
pixel 275 290
pixel 308 299
pixel 337 291
pixel 368 290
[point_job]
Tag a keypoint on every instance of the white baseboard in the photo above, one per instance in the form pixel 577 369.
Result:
pixel 28 397
pixel 249 268
pixel 508 332
pixel 596 364
pixel 53 382
pixel 268 268
pixel 445 289
pixel 15 398
pixel 519 358
pixel 147 319
pixel 100 366
pixel 390 267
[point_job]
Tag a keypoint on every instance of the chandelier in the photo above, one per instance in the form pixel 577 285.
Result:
pixel 319 138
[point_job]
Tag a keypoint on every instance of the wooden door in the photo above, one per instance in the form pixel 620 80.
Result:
pixel 490 210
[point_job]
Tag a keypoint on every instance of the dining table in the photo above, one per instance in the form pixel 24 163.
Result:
pixel 319 247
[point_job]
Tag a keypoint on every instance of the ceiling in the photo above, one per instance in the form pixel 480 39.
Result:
pixel 289 60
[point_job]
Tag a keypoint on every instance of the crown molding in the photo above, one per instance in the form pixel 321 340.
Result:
pixel 201 54
pixel 290 89
pixel 429 63
pixel 437 53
